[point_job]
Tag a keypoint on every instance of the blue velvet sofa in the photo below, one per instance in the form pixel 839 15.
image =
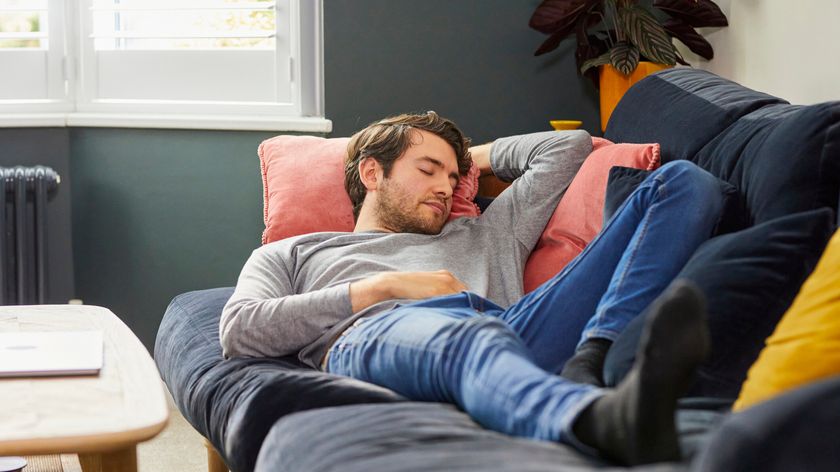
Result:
pixel 779 165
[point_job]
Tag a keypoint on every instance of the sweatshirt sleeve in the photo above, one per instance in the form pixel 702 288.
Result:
pixel 266 318
pixel 541 167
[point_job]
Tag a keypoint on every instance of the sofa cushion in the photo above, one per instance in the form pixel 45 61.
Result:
pixel 805 347
pixel 682 109
pixel 418 436
pixel 750 278
pixel 796 431
pixel 783 159
pixel 579 214
pixel 301 174
pixel 235 402
pixel 620 184
pixel 303 187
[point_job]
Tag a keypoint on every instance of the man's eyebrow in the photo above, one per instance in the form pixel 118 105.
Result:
pixel 438 163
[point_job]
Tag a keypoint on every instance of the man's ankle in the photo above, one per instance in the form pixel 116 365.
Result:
pixel 587 364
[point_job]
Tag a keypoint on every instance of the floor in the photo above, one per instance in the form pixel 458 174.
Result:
pixel 178 448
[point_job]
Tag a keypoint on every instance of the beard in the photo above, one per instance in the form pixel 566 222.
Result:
pixel 399 212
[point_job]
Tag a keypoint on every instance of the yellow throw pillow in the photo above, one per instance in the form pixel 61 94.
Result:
pixel 805 347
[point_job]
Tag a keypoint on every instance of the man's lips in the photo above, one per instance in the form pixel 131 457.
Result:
pixel 438 207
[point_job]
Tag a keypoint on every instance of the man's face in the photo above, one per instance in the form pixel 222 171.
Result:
pixel 417 196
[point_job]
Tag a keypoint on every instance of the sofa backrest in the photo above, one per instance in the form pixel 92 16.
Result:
pixel 782 158
pixel 682 109
pixel 784 161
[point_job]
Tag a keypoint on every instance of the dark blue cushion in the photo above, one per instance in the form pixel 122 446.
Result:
pixel 620 184
pixel 682 109
pixel 750 278
pixel 234 403
pixel 795 431
pixel 417 436
pixel 406 437
pixel 783 158
pixel 483 202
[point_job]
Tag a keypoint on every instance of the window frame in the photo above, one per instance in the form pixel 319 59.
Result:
pixel 78 105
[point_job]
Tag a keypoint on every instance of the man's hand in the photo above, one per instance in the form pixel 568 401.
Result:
pixel 405 285
pixel 481 158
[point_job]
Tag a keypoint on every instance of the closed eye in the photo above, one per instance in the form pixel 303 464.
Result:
pixel 425 171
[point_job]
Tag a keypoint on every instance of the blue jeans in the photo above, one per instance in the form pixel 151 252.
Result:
pixel 499 365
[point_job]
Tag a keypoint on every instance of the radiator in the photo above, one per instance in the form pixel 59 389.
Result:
pixel 24 192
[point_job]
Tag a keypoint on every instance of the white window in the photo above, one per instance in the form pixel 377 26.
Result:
pixel 232 64
pixel 32 56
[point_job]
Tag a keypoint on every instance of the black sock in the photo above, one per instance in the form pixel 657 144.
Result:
pixel 587 364
pixel 634 424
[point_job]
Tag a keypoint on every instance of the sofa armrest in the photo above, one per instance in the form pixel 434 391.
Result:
pixel 235 402
pixel 795 431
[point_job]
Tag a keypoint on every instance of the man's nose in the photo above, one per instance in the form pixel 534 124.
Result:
pixel 444 188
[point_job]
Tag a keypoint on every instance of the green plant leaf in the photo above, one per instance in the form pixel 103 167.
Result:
pixel 644 30
pixel 598 61
pixel 697 13
pixel 624 57
pixel 685 33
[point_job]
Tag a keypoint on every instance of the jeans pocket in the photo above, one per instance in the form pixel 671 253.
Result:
pixel 455 300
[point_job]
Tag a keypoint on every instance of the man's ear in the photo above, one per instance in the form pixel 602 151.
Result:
pixel 370 173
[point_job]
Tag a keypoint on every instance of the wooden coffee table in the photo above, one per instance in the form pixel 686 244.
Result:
pixel 103 417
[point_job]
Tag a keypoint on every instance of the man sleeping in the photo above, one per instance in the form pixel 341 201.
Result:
pixel 435 311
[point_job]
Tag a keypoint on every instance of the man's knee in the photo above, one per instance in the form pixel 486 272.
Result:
pixel 481 333
pixel 684 171
pixel 699 186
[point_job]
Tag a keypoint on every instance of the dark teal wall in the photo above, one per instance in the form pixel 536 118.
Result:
pixel 469 60
pixel 160 212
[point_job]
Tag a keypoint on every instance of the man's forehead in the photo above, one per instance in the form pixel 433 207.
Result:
pixel 426 146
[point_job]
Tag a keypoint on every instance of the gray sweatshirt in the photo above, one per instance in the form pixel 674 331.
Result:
pixel 293 295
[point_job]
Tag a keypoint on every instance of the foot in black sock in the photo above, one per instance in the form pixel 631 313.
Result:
pixel 587 365
pixel 634 424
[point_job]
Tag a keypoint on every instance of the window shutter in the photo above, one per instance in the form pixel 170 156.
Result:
pixel 188 56
pixel 31 55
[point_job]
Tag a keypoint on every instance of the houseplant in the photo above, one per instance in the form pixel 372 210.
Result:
pixel 619 34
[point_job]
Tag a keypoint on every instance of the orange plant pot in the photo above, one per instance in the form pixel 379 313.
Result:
pixel 613 85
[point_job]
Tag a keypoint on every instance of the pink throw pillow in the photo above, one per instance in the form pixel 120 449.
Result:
pixel 303 187
pixel 578 216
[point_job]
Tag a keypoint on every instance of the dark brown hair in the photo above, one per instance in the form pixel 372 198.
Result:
pixel 386 140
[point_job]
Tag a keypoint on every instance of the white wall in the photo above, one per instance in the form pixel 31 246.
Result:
pixel 790 49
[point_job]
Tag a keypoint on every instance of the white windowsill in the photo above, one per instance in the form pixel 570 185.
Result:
pixel 168 121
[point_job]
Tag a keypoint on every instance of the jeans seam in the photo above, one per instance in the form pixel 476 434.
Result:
pixel 645 224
